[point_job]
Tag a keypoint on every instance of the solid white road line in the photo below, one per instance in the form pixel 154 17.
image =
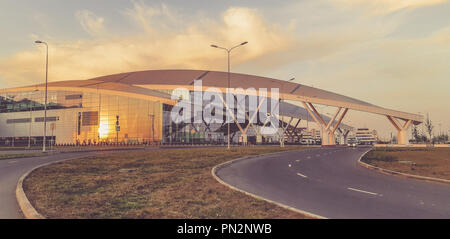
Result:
pixel 301 175
pixel 15 161
pixel 362 191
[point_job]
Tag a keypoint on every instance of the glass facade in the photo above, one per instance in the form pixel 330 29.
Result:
pixel 80 118
pixel 92 118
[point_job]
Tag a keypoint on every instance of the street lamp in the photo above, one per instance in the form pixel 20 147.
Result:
pixel 46 83
pixel 282 117
pixel 152 116
pixel 228 76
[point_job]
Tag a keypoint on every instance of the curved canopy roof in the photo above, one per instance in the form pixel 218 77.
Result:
pixel 147 84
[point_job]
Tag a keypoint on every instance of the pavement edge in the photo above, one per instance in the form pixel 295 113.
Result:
pixel 29 212
pixel 395 173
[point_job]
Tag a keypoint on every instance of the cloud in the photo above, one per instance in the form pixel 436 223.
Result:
pixel 180 47
pixel 171 40
pixel 153 18
pixel 381 7
pixel 91 23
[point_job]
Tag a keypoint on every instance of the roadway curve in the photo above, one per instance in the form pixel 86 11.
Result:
pixel 330 183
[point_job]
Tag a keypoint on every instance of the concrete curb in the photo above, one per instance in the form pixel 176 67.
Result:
pixel 215 168
pixel 29 212
pixel 395 173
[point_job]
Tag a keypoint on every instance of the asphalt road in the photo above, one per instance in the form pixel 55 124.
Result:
pixel 330 183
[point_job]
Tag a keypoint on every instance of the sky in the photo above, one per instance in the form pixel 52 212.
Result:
pixel 395 54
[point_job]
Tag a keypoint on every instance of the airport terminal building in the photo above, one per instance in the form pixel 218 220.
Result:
pixel 134 108
pixel 77 117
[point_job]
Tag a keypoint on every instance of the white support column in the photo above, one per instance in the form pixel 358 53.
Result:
pixel 401 129
pixel 327 130
pixel 344 134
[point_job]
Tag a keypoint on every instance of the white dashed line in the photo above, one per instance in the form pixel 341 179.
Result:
pixel 15 161
pixel 362 191
pixel 301 175
pixel 297 160
pixel 290 165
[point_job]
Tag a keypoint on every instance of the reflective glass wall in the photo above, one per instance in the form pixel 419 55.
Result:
pixel 79 118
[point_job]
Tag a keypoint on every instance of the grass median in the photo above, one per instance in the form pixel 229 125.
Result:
pixel 175 183
pixel 429 162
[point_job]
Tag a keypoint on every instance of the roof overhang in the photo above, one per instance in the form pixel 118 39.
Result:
pixel 147 85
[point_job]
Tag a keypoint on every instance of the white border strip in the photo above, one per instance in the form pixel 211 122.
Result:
pixel 362 191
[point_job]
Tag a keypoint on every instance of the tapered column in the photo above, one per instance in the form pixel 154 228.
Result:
pixel 344 133
pixel 401 129
pixel 327 129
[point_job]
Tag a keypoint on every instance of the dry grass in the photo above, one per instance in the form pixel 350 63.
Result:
pixel 173 183
pixel 429 162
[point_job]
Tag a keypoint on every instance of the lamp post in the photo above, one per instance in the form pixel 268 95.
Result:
pixel 152 116
pixel 282 117
pixel 46 84
pixel 228 76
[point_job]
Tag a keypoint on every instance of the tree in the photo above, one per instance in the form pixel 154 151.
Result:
pixel 429 126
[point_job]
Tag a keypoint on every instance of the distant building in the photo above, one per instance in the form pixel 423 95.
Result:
pixel 312 136
pixel 365 136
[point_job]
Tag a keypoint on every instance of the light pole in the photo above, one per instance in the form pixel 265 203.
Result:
pixel 228 76
pixel 152 116
pixel 282 117
pixel 46 83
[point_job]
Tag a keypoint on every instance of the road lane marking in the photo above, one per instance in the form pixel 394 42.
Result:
pixel 308 157
pixel 362 191
pixel 15 161
pixel 297 160
pixel 301 175
pixel 290 165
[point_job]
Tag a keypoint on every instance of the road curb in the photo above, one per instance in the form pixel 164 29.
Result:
pixel 215 168
pixel 395 173
pixel 29 212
